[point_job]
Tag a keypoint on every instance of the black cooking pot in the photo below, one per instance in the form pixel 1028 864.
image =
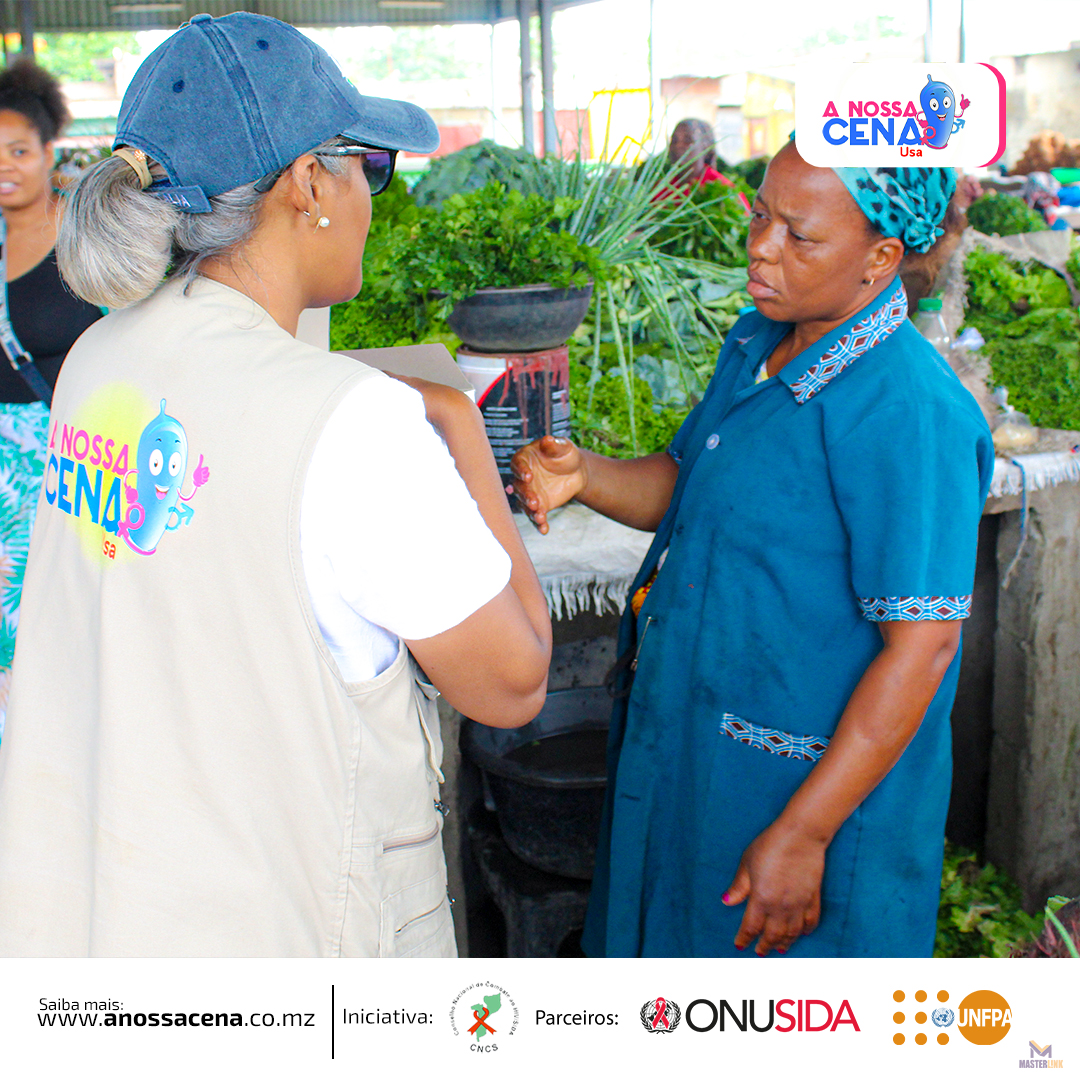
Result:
pixel 548 779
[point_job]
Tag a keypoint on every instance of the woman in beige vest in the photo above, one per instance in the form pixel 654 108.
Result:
pixel 219 742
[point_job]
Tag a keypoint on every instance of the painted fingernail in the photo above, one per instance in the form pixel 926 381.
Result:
pixel 741 948
pixel 726 898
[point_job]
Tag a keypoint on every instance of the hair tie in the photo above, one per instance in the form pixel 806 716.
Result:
pixel 137 160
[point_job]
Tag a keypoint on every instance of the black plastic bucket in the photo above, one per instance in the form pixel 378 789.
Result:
pixel 548 779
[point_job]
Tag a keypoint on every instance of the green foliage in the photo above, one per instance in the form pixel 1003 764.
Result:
pixel 718 235
pixel 980 913
pixel 1032 334
pixel 1003 214
pixel 1038 358
pixel 472 168
pixel 751 172
pixel 1072 263
pixel 494 238
pixel 600 412
pixel 82 57
pixel 388 310
pixel 999 288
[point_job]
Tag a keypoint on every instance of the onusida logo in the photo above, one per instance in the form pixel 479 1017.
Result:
pixel 787 1014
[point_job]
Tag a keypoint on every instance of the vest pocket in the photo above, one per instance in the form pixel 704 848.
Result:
pixel 416 920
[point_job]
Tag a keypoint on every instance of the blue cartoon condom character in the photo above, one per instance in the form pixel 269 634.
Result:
pixel 156 502
pixel 939 109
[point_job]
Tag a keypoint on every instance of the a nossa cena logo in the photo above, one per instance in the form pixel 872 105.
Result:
pixel 120 474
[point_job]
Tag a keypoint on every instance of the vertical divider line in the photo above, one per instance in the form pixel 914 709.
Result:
pixel 332 1017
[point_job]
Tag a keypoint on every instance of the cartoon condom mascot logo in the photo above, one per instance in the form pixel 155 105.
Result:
pixel 156 502
pixel 940 118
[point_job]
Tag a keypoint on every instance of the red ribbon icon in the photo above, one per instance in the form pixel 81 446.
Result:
pixel 480 1021
pixel 661 1015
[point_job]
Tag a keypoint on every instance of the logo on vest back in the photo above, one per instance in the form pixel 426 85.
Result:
pixel 119 501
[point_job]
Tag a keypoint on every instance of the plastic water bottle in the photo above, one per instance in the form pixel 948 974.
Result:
pixel 931 325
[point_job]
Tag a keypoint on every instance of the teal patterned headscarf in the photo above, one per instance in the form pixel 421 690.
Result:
pixel 906 203
pixel 909 204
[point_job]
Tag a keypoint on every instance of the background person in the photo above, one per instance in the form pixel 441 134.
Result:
pixel 45 319
pixel 219 742
pixel 780 769
pixel 693 143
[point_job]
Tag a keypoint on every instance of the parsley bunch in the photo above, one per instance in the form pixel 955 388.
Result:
pixel 497 239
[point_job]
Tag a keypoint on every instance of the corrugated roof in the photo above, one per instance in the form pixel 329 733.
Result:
pixel 72 15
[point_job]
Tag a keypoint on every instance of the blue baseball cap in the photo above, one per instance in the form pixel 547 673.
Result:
pixel 224 102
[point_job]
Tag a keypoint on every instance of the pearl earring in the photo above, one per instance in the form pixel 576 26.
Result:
pixel 322 223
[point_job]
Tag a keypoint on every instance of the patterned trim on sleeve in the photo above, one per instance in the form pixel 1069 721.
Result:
pixel 863 336
pixel 915 608
pixel 802 747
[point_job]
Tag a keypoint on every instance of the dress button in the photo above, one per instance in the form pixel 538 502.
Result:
pixel 712 442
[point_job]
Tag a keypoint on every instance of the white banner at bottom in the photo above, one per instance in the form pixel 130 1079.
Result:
pixel 537 1018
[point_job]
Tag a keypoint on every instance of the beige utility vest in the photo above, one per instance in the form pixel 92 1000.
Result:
pixel 184 771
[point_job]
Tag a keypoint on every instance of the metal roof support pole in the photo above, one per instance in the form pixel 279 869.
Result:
pixel 26 26
pixel 547 72
pixel 528 140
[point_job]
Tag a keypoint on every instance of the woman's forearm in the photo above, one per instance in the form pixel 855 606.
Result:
pixel 462 428
pixel 881 718
pixel 635 492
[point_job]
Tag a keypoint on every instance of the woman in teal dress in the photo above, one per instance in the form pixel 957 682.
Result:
pixel 779 769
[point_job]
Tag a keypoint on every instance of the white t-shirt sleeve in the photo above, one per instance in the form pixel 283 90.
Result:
pixel 388 522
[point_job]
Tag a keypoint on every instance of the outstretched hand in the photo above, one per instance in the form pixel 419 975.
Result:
pixel 547 473
pixel 779 877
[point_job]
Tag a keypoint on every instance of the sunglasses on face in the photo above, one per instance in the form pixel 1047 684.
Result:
pixel 378 166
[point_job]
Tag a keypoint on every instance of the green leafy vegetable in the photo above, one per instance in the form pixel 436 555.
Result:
pixel 1038 358
pixel 718 235
pixel 1032 333
pixel 495 238
pixel 1003 214
pixel 980 913
pixel 600 413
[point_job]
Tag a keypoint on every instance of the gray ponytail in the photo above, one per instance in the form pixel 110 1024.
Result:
pixel 116 244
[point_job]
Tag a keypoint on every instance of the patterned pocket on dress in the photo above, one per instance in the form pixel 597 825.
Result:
pixel 803 747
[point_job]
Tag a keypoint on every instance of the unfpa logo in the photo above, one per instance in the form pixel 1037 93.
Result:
pixel 983 1018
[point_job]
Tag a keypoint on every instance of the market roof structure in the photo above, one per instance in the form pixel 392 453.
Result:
pixel 63 16
pixel 59 16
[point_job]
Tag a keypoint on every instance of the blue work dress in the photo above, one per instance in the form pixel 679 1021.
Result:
pixel 843 492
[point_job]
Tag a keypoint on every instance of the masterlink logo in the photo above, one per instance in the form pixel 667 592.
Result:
pixel 984 1018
